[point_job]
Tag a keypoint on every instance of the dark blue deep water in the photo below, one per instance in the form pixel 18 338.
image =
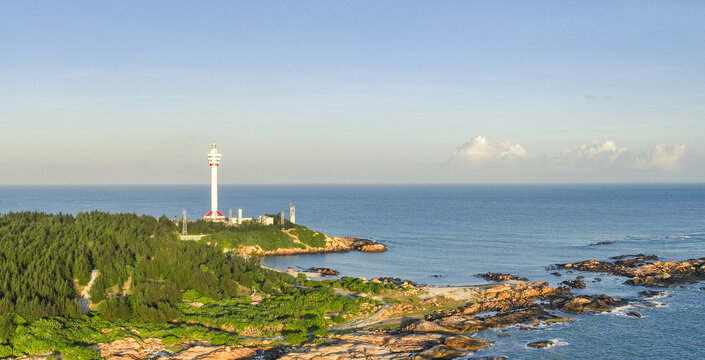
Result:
pixel 457 231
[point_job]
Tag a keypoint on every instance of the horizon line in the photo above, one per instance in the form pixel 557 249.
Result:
pixel 376 184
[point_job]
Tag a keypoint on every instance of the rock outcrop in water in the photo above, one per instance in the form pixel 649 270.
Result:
pixel 365 245
pixel 602 243
pixel 541 344
pixel 645 270
pixel 490 276
pixel 574 284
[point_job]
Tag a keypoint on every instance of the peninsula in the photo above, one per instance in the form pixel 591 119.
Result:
pixel 281 237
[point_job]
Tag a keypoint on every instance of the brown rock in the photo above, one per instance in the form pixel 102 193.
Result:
pixel 466 343
pixel 323 271
pixel 368 345
pixel 373 248
pixel 585 304
pixel 412 343
pixel 576 303
pixel 490 276
pixel 650 293
pixel 540 344
pixel 574 284
pixel 130 349
pixel 439 352
pixel 424 326
pixel 212 353
pixel 558 320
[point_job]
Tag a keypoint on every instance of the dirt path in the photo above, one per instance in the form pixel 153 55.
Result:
pixel 126 286
pixel 84 301
pixel 371 320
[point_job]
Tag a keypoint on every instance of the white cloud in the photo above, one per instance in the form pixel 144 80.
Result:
pixel 593 156
pixel 607 152
pixel 479 151
pixel 661 157
pixel 597 161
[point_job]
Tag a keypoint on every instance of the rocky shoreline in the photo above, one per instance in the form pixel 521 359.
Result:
pixel 333 245
pixel 449 333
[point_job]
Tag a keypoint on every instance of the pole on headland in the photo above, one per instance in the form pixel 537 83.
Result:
pixel 185 221
pixel 282 219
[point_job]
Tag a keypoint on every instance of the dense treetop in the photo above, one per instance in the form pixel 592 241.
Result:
pixel 42 254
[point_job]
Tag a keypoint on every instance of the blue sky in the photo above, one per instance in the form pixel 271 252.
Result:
pixel 123 92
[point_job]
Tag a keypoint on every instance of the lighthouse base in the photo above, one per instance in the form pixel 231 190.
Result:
pixel 216 216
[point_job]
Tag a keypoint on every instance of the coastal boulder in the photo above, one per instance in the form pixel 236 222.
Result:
pixel 574 284
pixel 558 319
pixel 373 248
pixel 439 352
pixel 424 326
pixel 366 245
pixel 490 276
pixel 466 343
pixel 650 293
pixel 323 271
pixel 130 348
pixel 540 344
pixel 586 304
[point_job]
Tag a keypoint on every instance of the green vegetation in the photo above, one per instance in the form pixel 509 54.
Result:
pixel 251 233
pixel 309 237
pixel 68 337
pixel 296 310
pixel 361 286
pixel 41 254
pixel 268 238
pixel 208 227
pixel 152 283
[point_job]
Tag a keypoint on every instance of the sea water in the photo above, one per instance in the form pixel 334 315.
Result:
pixel 446 234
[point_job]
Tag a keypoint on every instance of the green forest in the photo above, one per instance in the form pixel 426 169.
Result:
pixel 267 237
pixel 147 279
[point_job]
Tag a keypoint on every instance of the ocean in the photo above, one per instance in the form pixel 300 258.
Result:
pixel 446 234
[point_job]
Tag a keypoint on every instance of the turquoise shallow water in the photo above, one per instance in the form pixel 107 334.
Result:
pixel 459 231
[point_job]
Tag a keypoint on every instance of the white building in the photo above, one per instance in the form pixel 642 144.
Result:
pixel 266 220
pixel 239 219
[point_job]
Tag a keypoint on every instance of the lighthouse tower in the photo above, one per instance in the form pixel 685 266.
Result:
pixel 214 160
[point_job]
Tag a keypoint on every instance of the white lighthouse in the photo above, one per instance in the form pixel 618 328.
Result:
pixel 214 160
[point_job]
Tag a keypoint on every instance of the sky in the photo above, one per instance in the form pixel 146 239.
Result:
pixel 352 92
